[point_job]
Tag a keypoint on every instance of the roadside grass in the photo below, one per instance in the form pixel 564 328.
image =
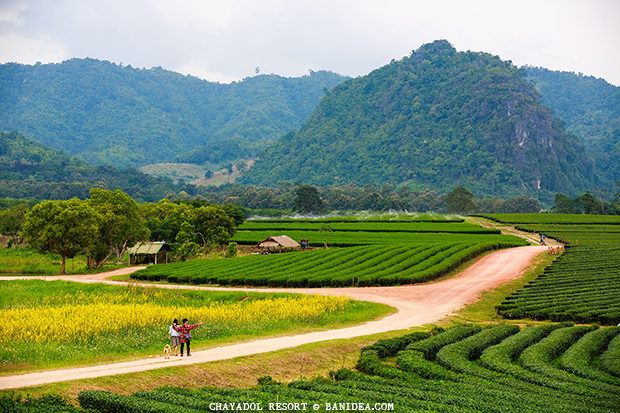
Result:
pixel 37 298
pixel 306 362
pixel 26 261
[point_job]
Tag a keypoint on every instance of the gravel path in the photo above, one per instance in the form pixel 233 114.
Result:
pixel 416 304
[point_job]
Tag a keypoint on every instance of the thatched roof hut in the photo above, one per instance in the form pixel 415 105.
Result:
pixel 280 241
pixel 149 253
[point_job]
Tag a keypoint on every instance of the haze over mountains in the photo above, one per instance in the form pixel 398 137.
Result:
pixel 436 119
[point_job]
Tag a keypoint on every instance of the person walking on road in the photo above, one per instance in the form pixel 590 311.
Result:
pixel 174 336
pixel 186 336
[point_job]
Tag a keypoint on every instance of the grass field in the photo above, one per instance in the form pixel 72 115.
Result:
pixel 24 260
pixel 53 324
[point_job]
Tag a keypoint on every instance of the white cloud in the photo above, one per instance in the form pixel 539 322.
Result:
pixel 227 40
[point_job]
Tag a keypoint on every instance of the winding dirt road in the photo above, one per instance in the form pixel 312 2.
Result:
pixel 416 304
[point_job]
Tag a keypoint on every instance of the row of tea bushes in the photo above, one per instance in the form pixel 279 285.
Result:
pixel 494 369
pixel 391 264
pixel 583 286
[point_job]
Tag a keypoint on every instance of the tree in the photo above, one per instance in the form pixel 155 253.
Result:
pixel 460 201
pixel 566 205
pixel 307 200
pixel 61 227
pixel 122 224
pixel 590 205
pixel 186 247
pixel 164 218
pixel 235 213
pixel 213 225
pixel 11 222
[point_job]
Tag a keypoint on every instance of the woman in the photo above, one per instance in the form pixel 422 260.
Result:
pixel 185 334
pixel 174 336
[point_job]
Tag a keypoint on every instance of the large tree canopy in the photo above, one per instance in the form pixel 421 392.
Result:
pixel 62 227
pixel 122 225
pixel 460 201
pixel 307 200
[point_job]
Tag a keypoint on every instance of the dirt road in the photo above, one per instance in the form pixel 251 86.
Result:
pixel 416 304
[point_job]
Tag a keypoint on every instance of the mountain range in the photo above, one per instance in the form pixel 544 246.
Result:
pixel 435 119
pixel 123 116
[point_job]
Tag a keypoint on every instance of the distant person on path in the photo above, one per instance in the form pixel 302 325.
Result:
pixel 174 336
pixel 186 336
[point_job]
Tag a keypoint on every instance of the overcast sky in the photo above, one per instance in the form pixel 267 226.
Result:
pixel 228 40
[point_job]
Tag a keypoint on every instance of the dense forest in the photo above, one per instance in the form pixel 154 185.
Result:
pixel 434 120
pixel 123 116
pixel 31 170
pixel 590 107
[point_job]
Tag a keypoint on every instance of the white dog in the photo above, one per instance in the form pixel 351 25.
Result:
pixel 167 351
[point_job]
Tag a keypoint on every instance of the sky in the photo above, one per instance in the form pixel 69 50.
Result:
pixel 228 40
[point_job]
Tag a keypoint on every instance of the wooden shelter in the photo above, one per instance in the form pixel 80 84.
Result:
pixel 149 253
pixel 279 242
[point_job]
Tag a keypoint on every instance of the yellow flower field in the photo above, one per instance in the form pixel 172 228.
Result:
pixel 76 318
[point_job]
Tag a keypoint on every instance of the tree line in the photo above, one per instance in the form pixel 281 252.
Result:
pixel 110 222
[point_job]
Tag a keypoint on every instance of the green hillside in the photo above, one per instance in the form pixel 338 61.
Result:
pixel 590 107
pixel 124 116
pixel 437 119
pixel 31 170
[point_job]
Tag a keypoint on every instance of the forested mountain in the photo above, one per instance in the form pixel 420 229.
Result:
pixel 590 107
pixel 31 170
pixel 436 119
pixel 118 115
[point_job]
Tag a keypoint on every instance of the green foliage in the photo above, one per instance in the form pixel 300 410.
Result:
pixel 433 120
pixel 124 116
pixel 47 403
pixel 102 401
pixel 307 200
pixel 431 346
pixel 11 222
pixel 62 227
pixel 121 224
pixel 192 224
pixel 231 250
pixel 590 108
pixel 579 357
pixel 460 201
pixel 609 359
pixel 416 384
pixel 390 347
pixel 29 169
pixel 582 286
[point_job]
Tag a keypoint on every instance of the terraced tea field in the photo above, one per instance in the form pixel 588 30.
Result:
pixel 583 286
pixel 570 228
pixel 504 368
pixel 370 253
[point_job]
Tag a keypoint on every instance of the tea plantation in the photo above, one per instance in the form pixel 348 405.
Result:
pixel 583 284
pixel 362 253
pixel 547 368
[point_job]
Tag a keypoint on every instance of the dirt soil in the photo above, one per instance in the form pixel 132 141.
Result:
pixel 416 304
